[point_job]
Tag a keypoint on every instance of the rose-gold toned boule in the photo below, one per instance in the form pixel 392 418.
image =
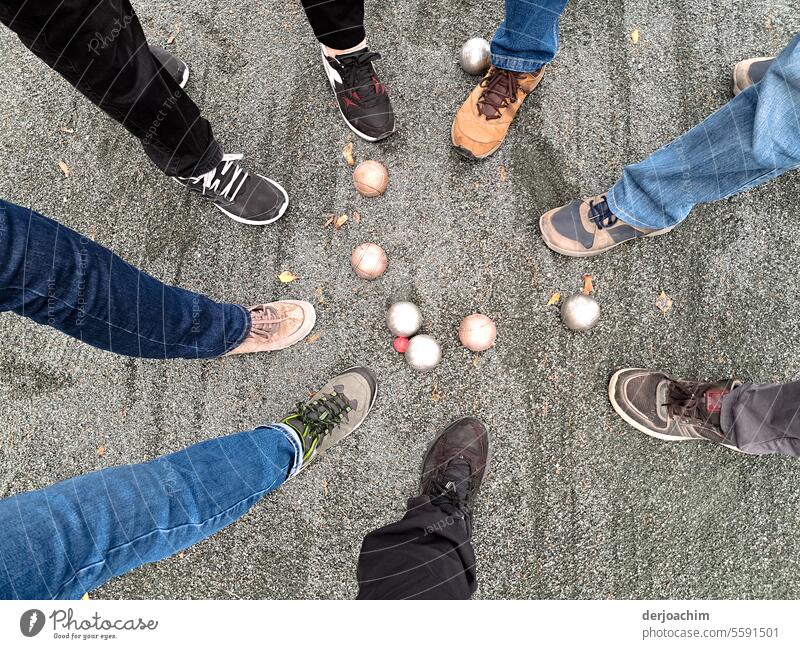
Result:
pixel 477 332
pixel 369 261
pixel 370 178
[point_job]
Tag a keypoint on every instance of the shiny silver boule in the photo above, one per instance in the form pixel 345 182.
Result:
pixel 580 312
pixel 403 319
pixel 423 353
pixel 475 56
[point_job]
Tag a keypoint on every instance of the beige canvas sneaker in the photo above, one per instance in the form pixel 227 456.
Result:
pixel 277 325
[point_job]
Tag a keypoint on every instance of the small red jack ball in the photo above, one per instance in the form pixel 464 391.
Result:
pixel 400 344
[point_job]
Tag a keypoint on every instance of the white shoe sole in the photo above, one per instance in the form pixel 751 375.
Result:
pixel 612 387
pixel 363 136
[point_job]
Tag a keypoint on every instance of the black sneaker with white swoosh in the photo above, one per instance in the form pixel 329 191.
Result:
pixel 363 101
pixel 247 198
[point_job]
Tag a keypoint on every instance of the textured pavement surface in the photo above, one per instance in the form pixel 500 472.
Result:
pixel 577 504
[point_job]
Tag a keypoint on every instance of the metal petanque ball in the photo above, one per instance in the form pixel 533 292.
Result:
pixel 423 353
pixel 403 319
pixel 370 178
pixel 580 312
pixel 368 261
pixel 477 332
pixel 475 56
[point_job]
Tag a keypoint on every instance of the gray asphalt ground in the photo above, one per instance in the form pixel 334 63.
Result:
pixel 577 504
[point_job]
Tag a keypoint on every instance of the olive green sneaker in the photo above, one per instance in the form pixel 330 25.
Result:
pixel 334 412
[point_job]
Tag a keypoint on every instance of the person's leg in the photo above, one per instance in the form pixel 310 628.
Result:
pixel 428 554
pixel 67 539
pixel 71 537
pixel 524 43
pixel 763 419
pixel 60 278
pixel 528 37
pixel 752 139
pixel 99 47
pixel 337 24
pixel 349 65
pixel 756 419
pixel 755 137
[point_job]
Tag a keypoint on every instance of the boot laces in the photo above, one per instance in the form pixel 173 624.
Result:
pixel 600 213
pixel 499 91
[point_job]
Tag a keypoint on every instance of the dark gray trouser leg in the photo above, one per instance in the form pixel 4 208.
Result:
pixel 427 554
pixel 763 419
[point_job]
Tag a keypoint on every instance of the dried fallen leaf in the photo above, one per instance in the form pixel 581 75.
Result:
pixel 588 286
pixel 287 276
pixel 181 555
pixel 664 302
pixel 329 220
pixel 357 217
pixel 101 451
pixel 325 487
pixel 347 154
pixel 313 338
pixel 555 298
pixel 173 35
pixel 436 393
pixel 503 173
pixel 64 168
pixel 635 36
pixel 339 221
pixel 319 292
pixel 66 129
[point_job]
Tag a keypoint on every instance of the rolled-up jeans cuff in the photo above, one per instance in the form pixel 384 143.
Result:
pixel 237 311
pixel 626 216
pixel 515 64
pixel 294 438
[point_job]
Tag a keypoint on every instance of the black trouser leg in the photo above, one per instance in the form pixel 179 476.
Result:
pixel 336 23
pixel 763 419
pixel 100 48
pixel 426 555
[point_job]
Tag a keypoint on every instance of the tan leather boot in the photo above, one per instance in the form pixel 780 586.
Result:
pixel 483 120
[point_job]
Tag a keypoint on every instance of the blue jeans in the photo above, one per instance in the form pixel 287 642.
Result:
pixel 65 540
pixel 60 278
pixel 752 139
pixel 528 37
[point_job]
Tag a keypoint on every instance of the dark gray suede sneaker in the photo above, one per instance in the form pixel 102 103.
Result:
pixel 173 66
pixel 668 409
pixel 749 72
pixel 247 198
pixel 455 465
pixel 334 412
pixel 587 227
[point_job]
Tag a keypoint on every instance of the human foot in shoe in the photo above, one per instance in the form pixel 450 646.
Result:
pixel 334 412
pixel 749 72
pixel 172 65
pixel 587 227
pixel 247 198
pixel 666 408
pixel 277 325
pixel 363 101
pixel 455 465
pixel 482 122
